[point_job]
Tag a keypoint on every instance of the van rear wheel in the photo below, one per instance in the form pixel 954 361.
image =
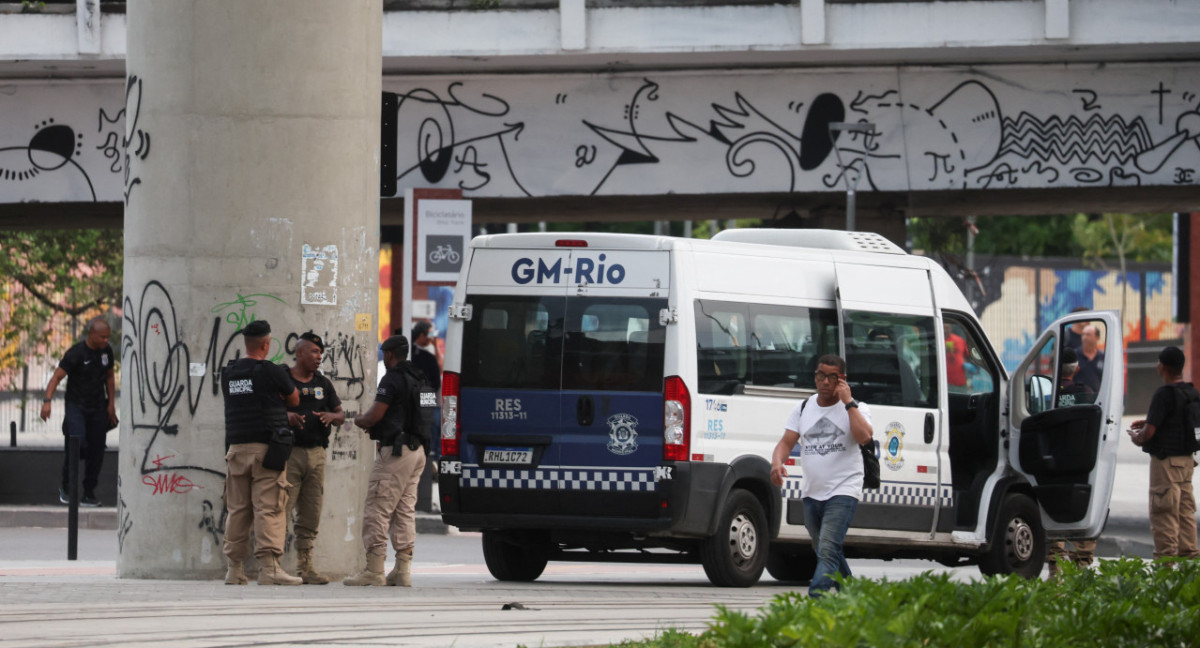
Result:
pixel 1018 542
pixel 736 555
pixel 791 563
pixel 514 556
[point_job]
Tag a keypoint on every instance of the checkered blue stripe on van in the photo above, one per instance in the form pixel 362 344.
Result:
pixel 592 479
pixel 903 494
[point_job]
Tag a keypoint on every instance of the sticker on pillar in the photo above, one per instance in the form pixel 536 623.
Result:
pixel 320 269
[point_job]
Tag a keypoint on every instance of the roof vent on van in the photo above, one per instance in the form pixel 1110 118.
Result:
pixel 813 238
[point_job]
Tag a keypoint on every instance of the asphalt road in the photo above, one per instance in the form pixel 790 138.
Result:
pixel 46 601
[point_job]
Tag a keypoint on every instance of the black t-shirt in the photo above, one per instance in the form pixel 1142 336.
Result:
pixel 428 364
pixel 1164 415
pixel 316 395
pixel 87 375
pixel 254 408
pixel 1090 371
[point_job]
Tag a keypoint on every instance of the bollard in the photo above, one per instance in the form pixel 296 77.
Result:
pixel 73 495
pixel 12 434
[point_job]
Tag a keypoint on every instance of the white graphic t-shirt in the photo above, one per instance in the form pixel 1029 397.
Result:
pixel 829 456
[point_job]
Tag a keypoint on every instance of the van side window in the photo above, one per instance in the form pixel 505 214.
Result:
pixel 892 359
pixel 757 344
pixel 786 341
pixel 722 360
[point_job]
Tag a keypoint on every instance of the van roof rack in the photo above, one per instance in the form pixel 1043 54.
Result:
pixel 823 239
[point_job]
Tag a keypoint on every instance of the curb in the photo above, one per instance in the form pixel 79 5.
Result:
pixel 105 519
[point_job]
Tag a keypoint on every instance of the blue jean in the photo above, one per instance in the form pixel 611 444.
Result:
pixel 827 522
pixel 91 428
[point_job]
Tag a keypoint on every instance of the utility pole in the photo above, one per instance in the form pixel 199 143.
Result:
pixel 866 128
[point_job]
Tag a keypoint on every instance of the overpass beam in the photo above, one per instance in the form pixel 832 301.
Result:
pixel 1058 19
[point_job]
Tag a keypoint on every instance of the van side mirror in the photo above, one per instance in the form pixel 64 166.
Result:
pixel 1040 390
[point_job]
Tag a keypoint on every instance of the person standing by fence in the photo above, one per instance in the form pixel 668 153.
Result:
pixel 91 406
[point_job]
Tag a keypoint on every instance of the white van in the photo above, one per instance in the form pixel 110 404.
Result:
pixel 617 397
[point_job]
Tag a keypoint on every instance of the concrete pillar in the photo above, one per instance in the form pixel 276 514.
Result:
pixel 252 192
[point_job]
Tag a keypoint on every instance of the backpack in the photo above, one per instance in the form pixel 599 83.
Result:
pixel 1189 415
pixel 870 460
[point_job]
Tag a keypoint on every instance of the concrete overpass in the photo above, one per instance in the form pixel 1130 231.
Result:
pixel 687 109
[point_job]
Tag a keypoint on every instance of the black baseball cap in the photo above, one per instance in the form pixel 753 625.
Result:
pixel 314 338
pixel 1069 356
pixel 397 344
pixel 257 329
pixel 1172 357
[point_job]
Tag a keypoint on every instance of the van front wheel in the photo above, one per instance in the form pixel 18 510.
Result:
pixel 736 555
pixel 514 556
pixel 1018 542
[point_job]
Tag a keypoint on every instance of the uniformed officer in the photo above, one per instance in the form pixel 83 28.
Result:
pixel 392 495
pixel 319 409
pixel 257 393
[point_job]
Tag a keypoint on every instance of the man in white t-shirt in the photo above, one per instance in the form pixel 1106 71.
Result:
pixel 829 427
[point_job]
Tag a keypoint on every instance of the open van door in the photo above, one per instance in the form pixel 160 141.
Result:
pixel 1063 438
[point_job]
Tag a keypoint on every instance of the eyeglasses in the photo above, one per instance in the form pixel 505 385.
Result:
pixel 831 377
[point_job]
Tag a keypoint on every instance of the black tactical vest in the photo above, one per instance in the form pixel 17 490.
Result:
pixel 253 408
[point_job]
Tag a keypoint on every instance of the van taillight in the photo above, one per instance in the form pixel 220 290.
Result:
pixel 570 243
pixel 450 428
pixel 677 414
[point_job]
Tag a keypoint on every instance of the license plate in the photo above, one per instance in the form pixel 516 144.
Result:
pixel 510 456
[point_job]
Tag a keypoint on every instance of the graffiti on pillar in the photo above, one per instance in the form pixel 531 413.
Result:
pixel 136 143
pixel 213 523
pixel 124 519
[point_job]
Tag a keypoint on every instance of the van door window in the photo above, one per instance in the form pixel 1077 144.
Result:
pixel 614 344
pixel 1038 378
pixel 1078 383
pixel 513 343
pixel 785 343
pixel 892 359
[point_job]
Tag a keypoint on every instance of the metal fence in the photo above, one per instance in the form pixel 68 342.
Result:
pixel 21 408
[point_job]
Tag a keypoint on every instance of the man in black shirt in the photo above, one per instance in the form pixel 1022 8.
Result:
pixel 428 358
pixel 390 508
pixel 319 409
pixel 257 394
pixel 1161 435
pixel 91 409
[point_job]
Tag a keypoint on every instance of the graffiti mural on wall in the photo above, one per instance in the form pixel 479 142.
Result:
pixel 730 132
pixel 692 132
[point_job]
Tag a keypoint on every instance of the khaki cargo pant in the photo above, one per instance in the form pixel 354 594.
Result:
pixel 391 507
pixel 1173 507
pixel 1082 555
pixel 305 493
pixel 255 497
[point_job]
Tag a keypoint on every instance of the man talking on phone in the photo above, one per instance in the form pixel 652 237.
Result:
pixel 830 426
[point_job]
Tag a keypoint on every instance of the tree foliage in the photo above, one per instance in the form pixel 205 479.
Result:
pixel 52 274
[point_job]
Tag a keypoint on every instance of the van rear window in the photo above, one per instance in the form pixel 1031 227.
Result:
pixel 580 343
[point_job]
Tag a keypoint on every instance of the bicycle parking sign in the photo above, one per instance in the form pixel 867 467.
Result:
pixel 443 229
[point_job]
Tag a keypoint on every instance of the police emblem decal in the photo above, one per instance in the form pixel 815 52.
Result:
pixel 893 445
pixel 622 434
pixel 319 393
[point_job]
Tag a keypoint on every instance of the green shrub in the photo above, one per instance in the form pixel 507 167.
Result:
pixel 1127 602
